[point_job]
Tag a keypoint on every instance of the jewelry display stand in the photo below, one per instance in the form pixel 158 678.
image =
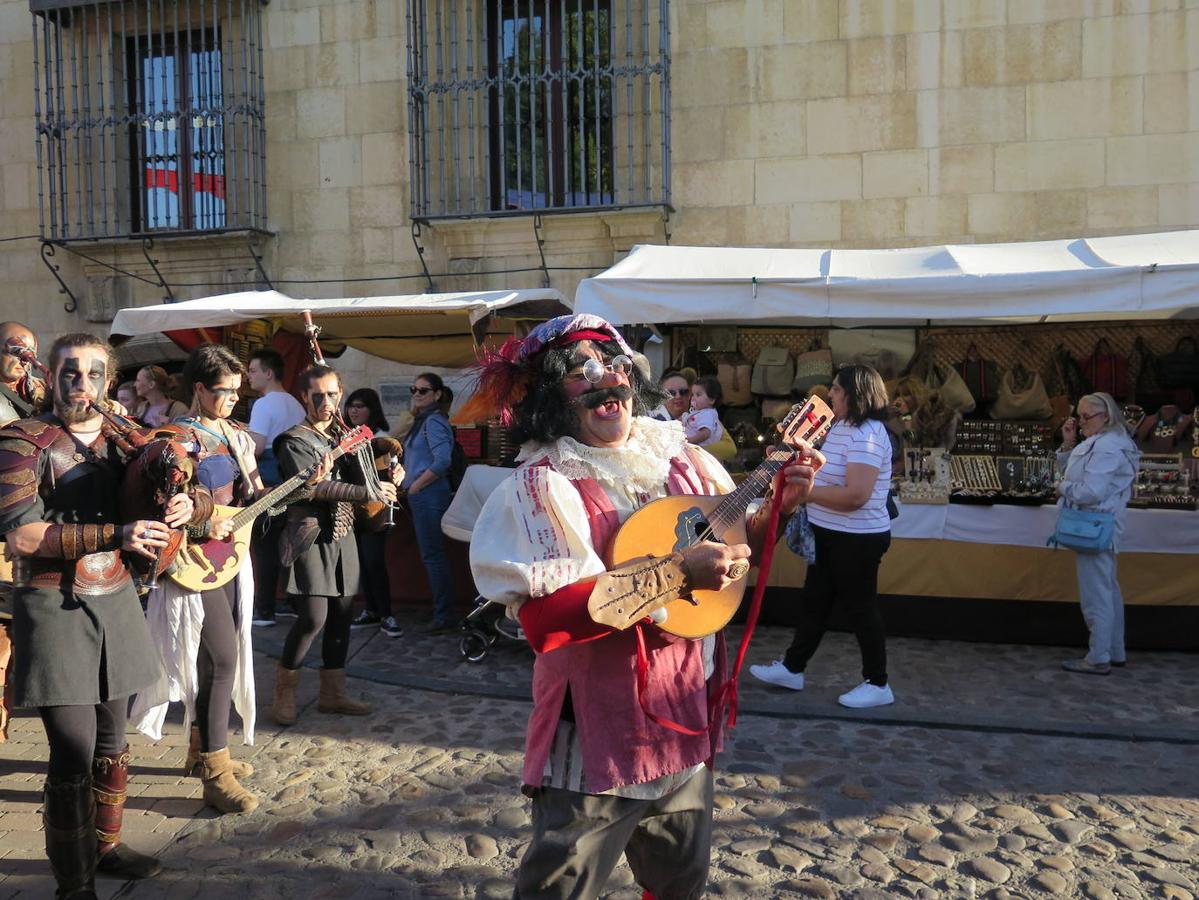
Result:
pixel 927 476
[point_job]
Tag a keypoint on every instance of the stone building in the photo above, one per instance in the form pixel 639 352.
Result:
pixel 516 141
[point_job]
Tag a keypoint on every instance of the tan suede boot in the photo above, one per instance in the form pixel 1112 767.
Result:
pixel 191 765
pixel 284 709
pixel 333 697
pixel 221 790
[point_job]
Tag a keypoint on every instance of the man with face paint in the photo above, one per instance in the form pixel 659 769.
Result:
pixel 319 547
pixel 614 762
pixel 81 642
pixel 204 638
pixel 21 395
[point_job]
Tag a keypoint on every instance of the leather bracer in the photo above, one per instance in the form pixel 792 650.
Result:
pixel 203 503
pixel 633 590
pixel 339 491
pixel 76 541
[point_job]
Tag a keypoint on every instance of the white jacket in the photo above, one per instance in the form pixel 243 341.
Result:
pixel 1099 474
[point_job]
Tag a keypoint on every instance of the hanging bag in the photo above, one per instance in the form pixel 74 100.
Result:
pixel 952 387
pixel 773 372
pixel 1022 395
pixel 734 377
pixel 981 377
pixel 1083 530
pixel 1180 369
pixel 1107 371
pixel 813 368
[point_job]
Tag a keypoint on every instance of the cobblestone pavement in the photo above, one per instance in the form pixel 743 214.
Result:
pixel 422 798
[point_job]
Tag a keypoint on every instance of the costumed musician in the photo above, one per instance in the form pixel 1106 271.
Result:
pixel 81 641
pixel 21 395
pixel 319 548
pixel 204 636
pixel 610 766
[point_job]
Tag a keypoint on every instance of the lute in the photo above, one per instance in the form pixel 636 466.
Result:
pixel 668 525
pixel 207 564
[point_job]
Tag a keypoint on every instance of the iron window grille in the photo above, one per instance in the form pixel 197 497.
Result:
pixel 532 106
pixel 150 117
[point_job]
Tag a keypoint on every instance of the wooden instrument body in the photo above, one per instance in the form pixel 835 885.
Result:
pixel 206 565
pixel 666 526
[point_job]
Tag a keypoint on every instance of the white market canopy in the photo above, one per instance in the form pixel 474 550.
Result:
pixel 419 329
pixel 1127 277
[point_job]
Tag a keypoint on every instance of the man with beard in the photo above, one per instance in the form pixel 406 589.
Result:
pixel 319 548
pixel 81 642
pixel 621 738
pixel 20 394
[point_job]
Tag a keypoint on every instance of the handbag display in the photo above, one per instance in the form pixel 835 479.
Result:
pixel 1107 371
pixel 1180 369
pixel 981 377
pixel 813 368
pixel 773 372
pixel 1142 370
pixel 952 388
pixel 734 377
pixel 1022 395
pixel 1083 530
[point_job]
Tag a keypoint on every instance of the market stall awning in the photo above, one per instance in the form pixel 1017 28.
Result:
pixel 1126 277
pixel 419 329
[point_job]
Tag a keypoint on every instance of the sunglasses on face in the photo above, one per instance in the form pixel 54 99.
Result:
pixel 594 370
pixel 679 392
pixel 420 390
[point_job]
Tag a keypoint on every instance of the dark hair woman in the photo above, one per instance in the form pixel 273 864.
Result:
pixel 220 615
pixel 428 452
pixel 675 384
pixel 363 407
pixel 847 510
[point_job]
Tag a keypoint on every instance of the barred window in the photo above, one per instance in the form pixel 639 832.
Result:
pixel 519 106
pixel 150 117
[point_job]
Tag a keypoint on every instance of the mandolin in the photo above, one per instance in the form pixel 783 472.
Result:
pixel 668 525
pixel 207 564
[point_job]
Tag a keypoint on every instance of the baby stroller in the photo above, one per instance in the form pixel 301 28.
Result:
pixel 487 623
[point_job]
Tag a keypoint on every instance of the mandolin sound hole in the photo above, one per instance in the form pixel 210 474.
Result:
pixel 690 524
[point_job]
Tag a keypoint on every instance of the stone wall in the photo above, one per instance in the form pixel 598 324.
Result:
pixel 795 122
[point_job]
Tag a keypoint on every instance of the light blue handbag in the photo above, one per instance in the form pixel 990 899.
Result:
pixel 1084 530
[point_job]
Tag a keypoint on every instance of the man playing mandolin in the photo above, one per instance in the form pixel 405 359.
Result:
pixel 620 742
pixel 82 646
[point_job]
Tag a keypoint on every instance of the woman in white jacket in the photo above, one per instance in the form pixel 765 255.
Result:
pixel 1099 473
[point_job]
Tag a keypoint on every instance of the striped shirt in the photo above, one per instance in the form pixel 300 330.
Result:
pixel 869 445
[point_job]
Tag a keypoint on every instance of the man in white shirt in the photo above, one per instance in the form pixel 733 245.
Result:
pixel 273 413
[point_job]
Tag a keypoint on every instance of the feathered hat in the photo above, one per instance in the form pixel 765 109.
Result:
pixel 504 376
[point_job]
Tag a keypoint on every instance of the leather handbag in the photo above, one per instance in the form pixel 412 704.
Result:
pixel 1180 369
pixel 773 372
pixel 981 376
pixel 734 377
pixel 1083 530
pixel 1022 395
pixel 1107 371
pixel 952 387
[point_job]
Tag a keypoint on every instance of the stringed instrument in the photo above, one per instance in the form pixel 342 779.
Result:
pixel 670 524
pixel 208 564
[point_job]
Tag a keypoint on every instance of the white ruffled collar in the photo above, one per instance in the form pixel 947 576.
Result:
pixel 641 465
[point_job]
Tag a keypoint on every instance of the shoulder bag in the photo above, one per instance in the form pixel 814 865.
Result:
pixel 773 372
pixel 1083 530
pixel 1021 399
pixel 1107 371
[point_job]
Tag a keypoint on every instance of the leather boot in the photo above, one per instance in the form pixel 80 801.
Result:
pixel 69 817
pixel 191 765
pixel 333 697
pixel 110 775
pixel 286 682
pixel 221 790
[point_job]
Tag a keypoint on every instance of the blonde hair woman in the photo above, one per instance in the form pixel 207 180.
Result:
pixel 152 383
pixel 1099 473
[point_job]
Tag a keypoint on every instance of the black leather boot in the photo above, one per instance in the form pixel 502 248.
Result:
pixel 69 816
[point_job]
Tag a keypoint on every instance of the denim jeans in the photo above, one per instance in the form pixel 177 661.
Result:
pixel 427 508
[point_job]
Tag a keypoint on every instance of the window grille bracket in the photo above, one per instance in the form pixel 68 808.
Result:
pixel 48 252
pixel 545 272
pixel 420 253
pixel 266 279
pixel 147 246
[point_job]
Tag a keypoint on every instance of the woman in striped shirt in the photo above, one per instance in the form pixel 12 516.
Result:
pixel 847 510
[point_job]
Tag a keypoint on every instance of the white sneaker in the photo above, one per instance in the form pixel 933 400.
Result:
pixel 778 674
pixel 866 695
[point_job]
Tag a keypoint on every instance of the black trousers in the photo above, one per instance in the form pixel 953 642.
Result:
pixel 216 666
pixel 846 572
pixel 312 614
pixel 376 586
pixel 264 547
pixel 78 733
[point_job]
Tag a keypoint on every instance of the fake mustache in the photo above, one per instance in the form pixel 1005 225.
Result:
pixel 592 399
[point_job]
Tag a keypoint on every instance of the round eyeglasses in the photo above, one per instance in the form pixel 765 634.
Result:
pixel 594 370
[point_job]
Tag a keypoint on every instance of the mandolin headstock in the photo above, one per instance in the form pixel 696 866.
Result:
pixel 806 423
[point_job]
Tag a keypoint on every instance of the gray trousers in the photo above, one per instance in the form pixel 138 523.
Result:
pixel 1102 606
pixel 578 839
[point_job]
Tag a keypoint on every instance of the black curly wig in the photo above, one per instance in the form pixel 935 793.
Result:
pixel 545 414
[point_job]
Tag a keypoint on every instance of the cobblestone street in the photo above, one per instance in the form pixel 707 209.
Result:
pixel 971 785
